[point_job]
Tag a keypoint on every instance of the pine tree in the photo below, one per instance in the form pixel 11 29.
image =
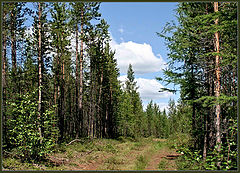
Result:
pixel 60 43
pixel 196 42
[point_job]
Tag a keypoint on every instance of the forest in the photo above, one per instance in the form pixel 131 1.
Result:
pixel 61 93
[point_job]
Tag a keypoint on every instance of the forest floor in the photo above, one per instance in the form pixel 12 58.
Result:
pixel 105 154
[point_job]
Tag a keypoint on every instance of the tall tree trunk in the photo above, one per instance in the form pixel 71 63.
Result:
pixel 55 93
pixel 58 89
pixel 91 106
pixel 13 43
pixel 211 117
pixel 4 54
pixel 208 112
pixel 63 115
pixel 81 75
pixel 194 123
pixel 39 72
pixel 77 81
pixel 217 89
pixel 4 66
pixel 110 114
pixel 99 112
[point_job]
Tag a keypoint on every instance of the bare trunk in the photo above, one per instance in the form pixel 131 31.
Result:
pixel 205 136
pixel 81 75
pixel 13 43
pixel 55 93
pixel 110 122
pixel 206 115
pixel 4 61
pixel 58 88
pixel 91 113
pixel 105 123
pixel 4 57
pixel 39 72
pixel 63 97
pixel 217 89
pixel 77 80
pixel 99 101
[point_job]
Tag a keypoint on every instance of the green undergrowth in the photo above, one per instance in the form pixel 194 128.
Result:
pixel 109 154
pixel 162 164
pixel 191 159
pixel 141 162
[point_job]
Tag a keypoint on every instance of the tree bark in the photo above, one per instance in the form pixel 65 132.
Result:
pixel 77 81
pixel 217 88
pixel 99 112
pixel 4 61
pixel 13 42
pixel 81 75
pixel 39 72
pixel 63 96
pixel 208 112
pixel 4 53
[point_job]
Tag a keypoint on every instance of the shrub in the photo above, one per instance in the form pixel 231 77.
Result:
pixel 23 127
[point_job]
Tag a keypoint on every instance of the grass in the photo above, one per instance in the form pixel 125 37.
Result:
pixel 16 164
pixel 162 164
pixel 159 145
pixel 113 163
pixel 141 162
pixel 99 154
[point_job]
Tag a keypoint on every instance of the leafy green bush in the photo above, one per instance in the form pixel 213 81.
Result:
pixel 23 127
pixel 192 159
pixel 228 154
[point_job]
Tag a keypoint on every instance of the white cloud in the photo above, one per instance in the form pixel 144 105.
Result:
pixel 148 88
pixel 140 56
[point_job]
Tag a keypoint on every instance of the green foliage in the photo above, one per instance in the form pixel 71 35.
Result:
pixel 159 145
pixel 177 140
pixel 141 162
pixel 107 110
pixel 16 164
pixel 228 153
pixel 131 120
pixel 110 148
pixel 157 122
pixel 162 164
pixel 113 161
pixel 192 66
pixel 210 101
pixel 23 129
pixel 192 159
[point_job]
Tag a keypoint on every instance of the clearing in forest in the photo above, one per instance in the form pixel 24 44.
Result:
pixel 106 154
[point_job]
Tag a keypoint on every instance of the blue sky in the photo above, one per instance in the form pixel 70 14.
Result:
pixel 133 28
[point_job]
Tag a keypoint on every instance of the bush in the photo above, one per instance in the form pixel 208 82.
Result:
pixel 192 159
pixel 23 127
